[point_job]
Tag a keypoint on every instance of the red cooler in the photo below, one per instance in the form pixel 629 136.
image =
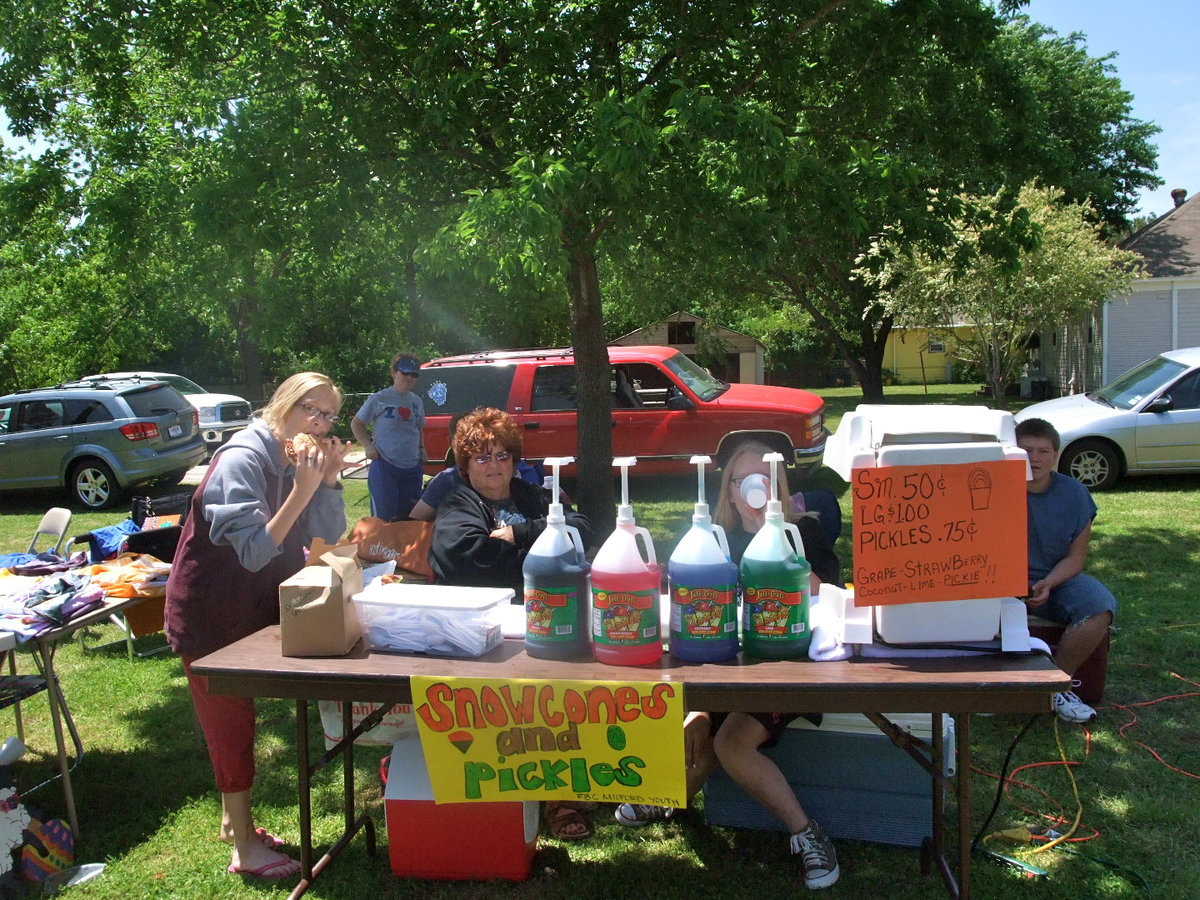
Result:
pixel 452 841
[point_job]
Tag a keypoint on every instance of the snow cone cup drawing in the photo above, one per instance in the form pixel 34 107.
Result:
pixel 979 483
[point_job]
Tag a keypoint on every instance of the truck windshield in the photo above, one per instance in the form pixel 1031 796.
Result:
pixel 699 381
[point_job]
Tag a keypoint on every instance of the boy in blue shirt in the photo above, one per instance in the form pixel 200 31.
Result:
pixel 1060 511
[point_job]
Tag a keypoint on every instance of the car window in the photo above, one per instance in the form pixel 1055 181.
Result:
pixel 553 389
pixel 460 389
pixel 1140 382
pixel 153 402
pixel 648 384
pixel 699 381
pixel 6 418
pixel 35 415
pixel 83 412
pixel 1185 393
pixel 183 385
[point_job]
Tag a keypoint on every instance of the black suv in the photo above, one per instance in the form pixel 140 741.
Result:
pixel 97 440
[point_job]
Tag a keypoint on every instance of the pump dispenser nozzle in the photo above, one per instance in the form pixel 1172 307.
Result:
pixel 555 515
pixel 774 507
pixel 625 510
pixel 700 516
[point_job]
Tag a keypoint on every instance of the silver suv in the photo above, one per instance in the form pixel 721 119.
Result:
pixel 97 440
pixel 221 415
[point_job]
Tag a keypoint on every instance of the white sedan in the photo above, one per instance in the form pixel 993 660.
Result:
pixel 1146 421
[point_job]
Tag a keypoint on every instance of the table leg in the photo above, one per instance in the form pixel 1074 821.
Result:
pixel 303 777
pixel 962 738
pixel 58 708
pixel 305 767
pixel 938 786
pixel 12 670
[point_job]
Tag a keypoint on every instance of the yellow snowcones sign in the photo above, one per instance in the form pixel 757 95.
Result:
pixel 609 742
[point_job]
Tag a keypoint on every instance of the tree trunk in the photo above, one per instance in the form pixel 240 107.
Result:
pixel 594 496
pixel 244 314
pixel 870 371
pixel 416 310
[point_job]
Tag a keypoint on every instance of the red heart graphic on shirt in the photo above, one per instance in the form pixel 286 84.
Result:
pixel 404 412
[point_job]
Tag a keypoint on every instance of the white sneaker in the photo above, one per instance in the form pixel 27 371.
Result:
pixel 637 814
pixel 1070 708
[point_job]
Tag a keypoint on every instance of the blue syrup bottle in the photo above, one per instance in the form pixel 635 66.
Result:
pixel 703 588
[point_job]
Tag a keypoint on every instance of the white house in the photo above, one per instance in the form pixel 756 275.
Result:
pixel 1160 312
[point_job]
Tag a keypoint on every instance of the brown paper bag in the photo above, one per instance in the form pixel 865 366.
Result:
pixel 405 542
pixel 316 617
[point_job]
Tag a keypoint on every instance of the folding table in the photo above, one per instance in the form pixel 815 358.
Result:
pixel 42 648
pixel 958 686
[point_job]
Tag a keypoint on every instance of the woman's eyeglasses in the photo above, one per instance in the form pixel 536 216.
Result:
pixel 314 413
pixel 484 458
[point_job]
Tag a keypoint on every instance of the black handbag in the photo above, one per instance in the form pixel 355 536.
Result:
pixel 143 508
pixel 158 542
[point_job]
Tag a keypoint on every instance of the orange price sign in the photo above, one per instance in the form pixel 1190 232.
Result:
pixel 942 532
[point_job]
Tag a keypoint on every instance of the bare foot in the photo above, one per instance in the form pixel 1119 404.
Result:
pixel 270 841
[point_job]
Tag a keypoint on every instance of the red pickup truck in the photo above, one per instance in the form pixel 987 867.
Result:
pixel 665 408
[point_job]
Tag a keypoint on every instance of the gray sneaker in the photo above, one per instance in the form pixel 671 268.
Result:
pixel 1070 708
pixel 818 856
pixel 638 814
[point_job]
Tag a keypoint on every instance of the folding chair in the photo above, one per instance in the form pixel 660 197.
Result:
pixel 54 523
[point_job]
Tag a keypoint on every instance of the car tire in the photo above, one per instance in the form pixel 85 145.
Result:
pixel 1094 464
pixel 173 479
pixel 92 485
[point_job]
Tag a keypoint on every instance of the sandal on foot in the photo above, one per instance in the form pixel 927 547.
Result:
pixel 565 823
pixel 283 868
pixel 270 841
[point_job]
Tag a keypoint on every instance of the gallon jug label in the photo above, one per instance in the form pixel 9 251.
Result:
pixel 703 612
pixel 770 612
pixel 621 618
pixel 550 614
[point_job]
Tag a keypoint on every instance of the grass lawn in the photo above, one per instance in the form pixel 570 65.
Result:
pixel 148 809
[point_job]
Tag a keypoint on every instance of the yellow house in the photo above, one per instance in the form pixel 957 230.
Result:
pixel 922 355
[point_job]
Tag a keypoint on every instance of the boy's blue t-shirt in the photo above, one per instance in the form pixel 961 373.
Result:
pixel 1056 518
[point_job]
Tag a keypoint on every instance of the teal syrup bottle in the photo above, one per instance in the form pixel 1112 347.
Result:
pixel 775 584
pixel 555 573
pixel 703 588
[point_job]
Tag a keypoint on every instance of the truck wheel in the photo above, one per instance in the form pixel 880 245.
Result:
pixel 93 485
pixel 1093 464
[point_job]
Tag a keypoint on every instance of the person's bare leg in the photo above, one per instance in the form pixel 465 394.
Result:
pixel 1078 641
pixel 737 748
pixel 701 760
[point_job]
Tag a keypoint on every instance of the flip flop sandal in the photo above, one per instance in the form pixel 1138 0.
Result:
pixel 567 824
pixel 284 868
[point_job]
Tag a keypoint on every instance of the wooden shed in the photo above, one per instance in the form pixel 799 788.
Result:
pixel 729 355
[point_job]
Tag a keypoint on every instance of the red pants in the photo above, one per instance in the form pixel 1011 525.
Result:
pixel 228 726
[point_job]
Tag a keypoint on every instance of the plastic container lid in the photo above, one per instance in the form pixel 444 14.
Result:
pixel 435 596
